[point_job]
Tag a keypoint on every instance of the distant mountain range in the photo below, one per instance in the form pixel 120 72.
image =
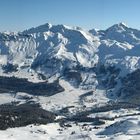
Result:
pixel 52 49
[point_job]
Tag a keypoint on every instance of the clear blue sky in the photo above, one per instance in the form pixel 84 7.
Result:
pixel 22 14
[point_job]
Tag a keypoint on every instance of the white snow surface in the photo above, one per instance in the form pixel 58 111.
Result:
pixel 49 49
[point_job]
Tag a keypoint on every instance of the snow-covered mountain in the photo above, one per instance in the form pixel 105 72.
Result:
pixel 72 71
pixel 54 49
pixel 70 46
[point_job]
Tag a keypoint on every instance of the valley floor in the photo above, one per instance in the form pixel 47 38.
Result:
pixel 123 123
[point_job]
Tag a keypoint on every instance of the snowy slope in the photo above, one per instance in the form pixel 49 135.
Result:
pixel 91 66
pixel 50 48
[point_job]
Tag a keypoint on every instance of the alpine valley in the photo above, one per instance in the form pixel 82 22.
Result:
pixel 66 83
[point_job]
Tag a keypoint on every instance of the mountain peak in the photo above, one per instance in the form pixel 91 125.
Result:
pixel 120 26
pixel 41 28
